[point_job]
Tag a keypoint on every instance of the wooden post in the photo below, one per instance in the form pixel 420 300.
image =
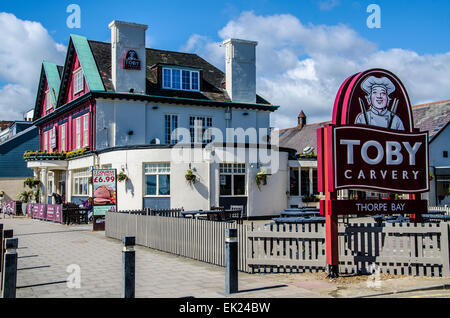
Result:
pixel 231 261
pixel 128 262
pixel 9 275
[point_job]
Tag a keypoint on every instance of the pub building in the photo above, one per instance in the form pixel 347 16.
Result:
pixel 121 106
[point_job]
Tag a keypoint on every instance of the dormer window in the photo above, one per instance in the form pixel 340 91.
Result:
pixel 181 79
pixel 78 81
pixel 48 100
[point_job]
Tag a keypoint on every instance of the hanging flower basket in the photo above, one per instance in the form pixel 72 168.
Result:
pixel 121 177
pixel 261 179
pixel 191 178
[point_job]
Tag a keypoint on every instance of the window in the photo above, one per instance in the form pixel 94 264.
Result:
pixel 232 179
pixel 198 127
pixel 63 138
pixel 171 123
pixel 78 81
pixel 182 79
pixel 445 154
pixel 45 146
pixel 78 133
pixel 157 179
pixel 48 100
pixel 85 130
pixel 51 178
pixel 306 185
pixel 294 189
pixel 80 182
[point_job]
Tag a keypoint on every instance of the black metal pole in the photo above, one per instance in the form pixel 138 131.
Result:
pixel 231 261
pixel 7 234
pixel 10 268
pixel 128 262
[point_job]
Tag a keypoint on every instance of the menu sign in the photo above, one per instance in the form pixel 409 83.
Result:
pixel 105 191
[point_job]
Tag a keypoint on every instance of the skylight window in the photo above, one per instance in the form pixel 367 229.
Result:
pixel 181 79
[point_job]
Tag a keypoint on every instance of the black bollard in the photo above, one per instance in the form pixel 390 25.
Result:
pixel 128 262
pixel 231 261
pixel 7 234
pixel 10 268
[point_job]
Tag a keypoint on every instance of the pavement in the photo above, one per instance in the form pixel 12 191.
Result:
pixel 51 255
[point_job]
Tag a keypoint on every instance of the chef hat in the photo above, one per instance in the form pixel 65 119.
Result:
pixel 372 81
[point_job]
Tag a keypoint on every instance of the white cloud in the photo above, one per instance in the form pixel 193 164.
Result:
pixel 327 5
pixel 24 45
pixel 301 66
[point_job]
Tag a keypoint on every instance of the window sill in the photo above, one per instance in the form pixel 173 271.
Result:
pixel 156 196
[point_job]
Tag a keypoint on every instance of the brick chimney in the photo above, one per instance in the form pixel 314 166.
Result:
pixel 301 120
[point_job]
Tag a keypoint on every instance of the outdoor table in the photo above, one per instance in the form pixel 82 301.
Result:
pixel 212 215
pixel 435 212
pixel 300 213
pixel 436 217
pixel 300 220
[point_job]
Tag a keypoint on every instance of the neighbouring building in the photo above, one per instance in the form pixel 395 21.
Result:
pixel 19 137
pixel 435 118
pixel 154 115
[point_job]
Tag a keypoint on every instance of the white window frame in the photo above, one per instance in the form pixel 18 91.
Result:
pixel 45 147
pixel 78 81
pixel 86 130
pixel 181 70
pixel 233 169
pixel 78 132
pixel 48 100
pixel 81 177
pixel 63 138
pixel 168 129
pixel 199 131
pixel 157 169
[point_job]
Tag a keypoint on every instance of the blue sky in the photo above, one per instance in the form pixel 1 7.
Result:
pixel 423 26
pixel 315 44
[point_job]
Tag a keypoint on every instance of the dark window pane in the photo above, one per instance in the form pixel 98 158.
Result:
pixel 195 81
pixel 167 78
pixel 239 185
pixel 225 185
pixel 294 184
pixel 315 191
pixel 186 79
pixel 176 79
pixel 305 182
pixel 150 183
pixel 164 184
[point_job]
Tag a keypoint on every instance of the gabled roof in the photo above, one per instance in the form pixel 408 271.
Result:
pixel 51 73
pixel 79 45
pixel 433 117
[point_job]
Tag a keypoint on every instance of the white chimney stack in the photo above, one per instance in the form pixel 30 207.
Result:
pixel 128 56
pixel 240 63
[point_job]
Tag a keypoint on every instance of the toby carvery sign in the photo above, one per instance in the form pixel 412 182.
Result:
pixel 371 144
pixel 374 143
pixel 131 61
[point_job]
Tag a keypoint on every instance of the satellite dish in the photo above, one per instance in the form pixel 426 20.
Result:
pixel 308 150
pixel 155 141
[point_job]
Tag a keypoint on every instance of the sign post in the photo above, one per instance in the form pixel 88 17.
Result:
pixel 105 196
pixel 371 145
